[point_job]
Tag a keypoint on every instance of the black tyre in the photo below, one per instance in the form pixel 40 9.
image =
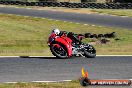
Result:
pixel 90 52
pixel 60 52
pixel 85 82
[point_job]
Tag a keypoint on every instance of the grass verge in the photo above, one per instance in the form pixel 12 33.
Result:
pixel 28 36
pixel 73 84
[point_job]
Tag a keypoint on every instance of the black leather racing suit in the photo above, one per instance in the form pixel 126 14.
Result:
pixel 72 36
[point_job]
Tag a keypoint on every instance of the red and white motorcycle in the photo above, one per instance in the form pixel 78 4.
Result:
pixel 66 45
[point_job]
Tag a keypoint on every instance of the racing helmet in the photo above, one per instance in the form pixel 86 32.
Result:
pixel 56 31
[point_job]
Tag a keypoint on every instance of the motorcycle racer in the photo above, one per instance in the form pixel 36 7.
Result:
pixel 74 37
pixel 66 44
pixel 56 31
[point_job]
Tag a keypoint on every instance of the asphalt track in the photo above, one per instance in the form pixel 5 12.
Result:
pixel 16 69
pixel 104 20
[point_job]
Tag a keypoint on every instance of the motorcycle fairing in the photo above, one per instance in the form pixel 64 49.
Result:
pixel 67 42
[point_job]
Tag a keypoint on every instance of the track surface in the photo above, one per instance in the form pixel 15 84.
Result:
pixel 53 69
pixel 105 20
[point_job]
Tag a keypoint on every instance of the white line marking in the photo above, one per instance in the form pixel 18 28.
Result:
pixel 54 56
pixel 60 81
pixel 50 19
pixel 124 16
pixel 52 81
pixel 41 56
pixel 93 25
pixel 43 18
pixel 42 81
pixel 8 56
pixel 28 8
pixel 77 23
pixel 113 55
pixel 85 24
pixel 101 14
pixel 39 9
pixel 114 79
pixel 25 16
pixel 35 17
pixel 10 82
pixel 96 55
pixel 112 15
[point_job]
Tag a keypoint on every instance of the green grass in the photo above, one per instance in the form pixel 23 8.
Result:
pixel 73 84
pixel 28 36
pixel 118 12
pixel 42 85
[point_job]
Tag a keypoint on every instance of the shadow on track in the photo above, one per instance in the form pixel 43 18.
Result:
pixel 45 57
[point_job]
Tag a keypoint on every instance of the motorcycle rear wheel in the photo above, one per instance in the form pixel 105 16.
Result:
pixel 90 52
pixel 59 52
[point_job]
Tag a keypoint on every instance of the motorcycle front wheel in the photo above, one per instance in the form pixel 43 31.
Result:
pixel 90 52
pixel 59 52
